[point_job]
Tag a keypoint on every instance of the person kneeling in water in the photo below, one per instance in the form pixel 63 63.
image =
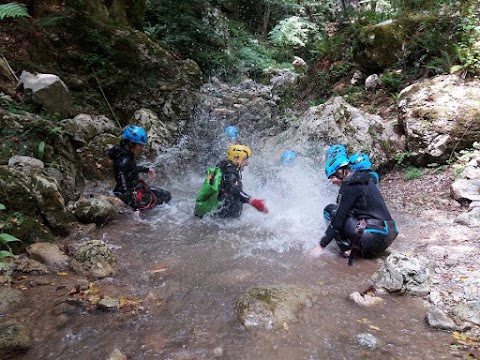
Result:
pixel 231 196
pixel 132 190
pixel 362 217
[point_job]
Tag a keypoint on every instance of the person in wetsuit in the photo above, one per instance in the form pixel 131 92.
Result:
pixel 129 187
pixel 362 223
pixel 231 196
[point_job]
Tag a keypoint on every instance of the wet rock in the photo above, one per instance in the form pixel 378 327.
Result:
pixel 64 308
pixel 438 320
pixel 94 259
pixel 364 300
pixel 49 254
pixel 403 274
pixel 82 284
pixel 218 352
pixel 98 210
pixel 272 307
pixel 372 82
pixel 464 189
pixel 108 303
pixel 10 299
pixel 30 266
pixel 14 339
pixel 366 340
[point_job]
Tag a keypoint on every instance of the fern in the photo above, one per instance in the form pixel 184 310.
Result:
pixel 12 9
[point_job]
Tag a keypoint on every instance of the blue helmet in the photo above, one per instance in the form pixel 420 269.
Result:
pixel 336 149
pixel 231 132
pixel 288 157
pixel 334 163
pixel 360 161
pixel 135 134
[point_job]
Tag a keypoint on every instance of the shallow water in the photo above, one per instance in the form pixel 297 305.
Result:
pixel 188 311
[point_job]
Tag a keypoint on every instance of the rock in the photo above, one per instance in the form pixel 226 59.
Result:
pixel 116 354
pixel 437 320
pixel 46 90
pixel 372 82
pixel 366 340
pixel 98 210
pixel 10 299
pixel 467 312
pixel 14 339
pixel 94 259
pixel 26 164
pixel 108 303
pixel 27 265
pixel 49 254
pixel 272 307
pixel 364 300
pixel 403 274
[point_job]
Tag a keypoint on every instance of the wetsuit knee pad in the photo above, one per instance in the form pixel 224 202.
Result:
pixel 163 196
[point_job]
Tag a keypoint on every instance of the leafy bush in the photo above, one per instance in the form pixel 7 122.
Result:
pixel 412 172
pixel 293 32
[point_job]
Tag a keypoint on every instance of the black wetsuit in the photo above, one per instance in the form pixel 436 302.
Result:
pixel 126 174
pixel 231 197
pixel 362 218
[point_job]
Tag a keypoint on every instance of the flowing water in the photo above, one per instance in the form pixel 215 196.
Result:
pixel 188 311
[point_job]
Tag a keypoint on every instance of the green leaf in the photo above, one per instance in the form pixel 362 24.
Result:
pixel 7 238
pixel 13 9
pixel 455 68
pixel 2 207
pixel 5 253
pixel 41 150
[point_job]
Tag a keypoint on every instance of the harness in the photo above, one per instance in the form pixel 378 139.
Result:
pixel 144 196
pixel 371 225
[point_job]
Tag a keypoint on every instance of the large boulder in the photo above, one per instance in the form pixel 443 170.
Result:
pixel 273 307
pixel 93 258
pixel 336 121
pixel 440 116
pixel 47 91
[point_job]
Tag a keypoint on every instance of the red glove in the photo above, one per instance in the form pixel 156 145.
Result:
pixel 259 205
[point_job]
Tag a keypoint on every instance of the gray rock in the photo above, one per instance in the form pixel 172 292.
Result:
pixel 94 259
pixel 49 254
pixel 438 320
pixel 366 340
pixel 467 312
pixel 14 339
pixel 273 307
pixel 10 299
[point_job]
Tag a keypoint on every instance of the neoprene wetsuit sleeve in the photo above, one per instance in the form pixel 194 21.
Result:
pixel 236 188
pixel 348 196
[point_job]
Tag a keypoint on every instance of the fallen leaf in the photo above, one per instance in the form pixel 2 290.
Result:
pixel 362 321
pixel 285 326
pixel 374 327
pixel 159 269
pixel 320 282
pixel 62 273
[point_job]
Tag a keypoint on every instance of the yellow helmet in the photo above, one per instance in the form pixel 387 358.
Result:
pixel 238 153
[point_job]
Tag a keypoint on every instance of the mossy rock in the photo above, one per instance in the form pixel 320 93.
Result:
pixel 381 46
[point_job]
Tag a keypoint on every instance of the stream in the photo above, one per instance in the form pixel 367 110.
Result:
pixel 187 311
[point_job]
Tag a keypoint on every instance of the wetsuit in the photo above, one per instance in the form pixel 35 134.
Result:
pixel 362 219
pixel 231 196
pixel 126 174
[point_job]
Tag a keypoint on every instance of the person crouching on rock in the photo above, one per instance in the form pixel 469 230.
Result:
pixel 362 217
pixel 132 190
pixel 231 196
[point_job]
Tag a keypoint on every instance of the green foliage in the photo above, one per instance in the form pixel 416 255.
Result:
pixel 6 239
pixel 293 32
pixel 468 49
pixel 392 81
pixel 13 9
pixel 412 172
pixel 401 157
